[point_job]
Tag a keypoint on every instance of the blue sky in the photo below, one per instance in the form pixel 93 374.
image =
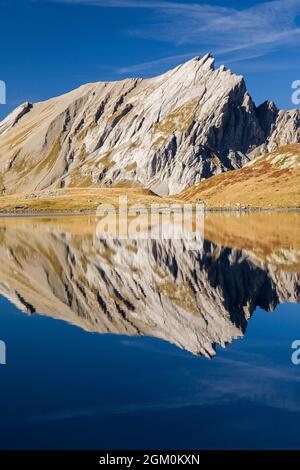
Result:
pixel 52 46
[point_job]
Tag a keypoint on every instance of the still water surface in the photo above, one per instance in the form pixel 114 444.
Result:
pixel 148 344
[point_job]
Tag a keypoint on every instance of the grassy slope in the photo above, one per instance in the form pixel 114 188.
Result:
pixel 272 180
pixel 76 199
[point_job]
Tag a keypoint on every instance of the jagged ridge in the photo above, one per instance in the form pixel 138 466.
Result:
pixel 164 133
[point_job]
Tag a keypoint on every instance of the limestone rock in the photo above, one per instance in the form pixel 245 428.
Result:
pixel 165 133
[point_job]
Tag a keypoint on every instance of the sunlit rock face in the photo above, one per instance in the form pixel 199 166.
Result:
pixel 194 295
pixel 165 133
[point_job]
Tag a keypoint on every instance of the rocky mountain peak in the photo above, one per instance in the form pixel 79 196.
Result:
pixel 267 114
pixel 165 133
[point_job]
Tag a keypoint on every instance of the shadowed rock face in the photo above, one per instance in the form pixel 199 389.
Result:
pixel 164 133
pixel 194 298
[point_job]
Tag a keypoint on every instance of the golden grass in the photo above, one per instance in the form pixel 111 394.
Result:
pixel 23 167
pixel 178 120
pixel 126 183
pixel 75 199
pixel 131 167
pixel 106 162
pixel 180 294
pixel 261 184
pixel 160 141
pixel 78 180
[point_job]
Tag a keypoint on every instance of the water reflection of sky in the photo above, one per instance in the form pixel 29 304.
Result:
pixel 65 388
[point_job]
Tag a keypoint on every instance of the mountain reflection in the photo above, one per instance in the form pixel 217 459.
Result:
pixel 195 299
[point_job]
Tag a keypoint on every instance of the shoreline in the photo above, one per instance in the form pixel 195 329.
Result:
pixel 89 212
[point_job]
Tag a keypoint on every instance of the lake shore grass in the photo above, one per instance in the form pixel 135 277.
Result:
pixel 72 201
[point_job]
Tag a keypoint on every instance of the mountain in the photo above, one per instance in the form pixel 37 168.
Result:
pixel 194 298
pixel 165 133
pixel 272 180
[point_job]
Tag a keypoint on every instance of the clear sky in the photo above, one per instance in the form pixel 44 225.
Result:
pixel 52 46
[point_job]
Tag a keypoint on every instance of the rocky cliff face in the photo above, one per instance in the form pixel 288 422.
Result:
pixel 196 299
pixel 164 133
